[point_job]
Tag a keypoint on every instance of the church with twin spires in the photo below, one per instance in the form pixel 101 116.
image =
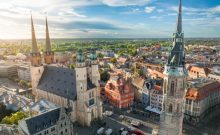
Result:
pixel 75 89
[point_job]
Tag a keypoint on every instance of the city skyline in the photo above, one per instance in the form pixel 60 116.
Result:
pixel 108 18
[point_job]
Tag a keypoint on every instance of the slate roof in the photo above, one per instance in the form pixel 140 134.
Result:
pixel 59 81
pixel 40 122
pixel 42 106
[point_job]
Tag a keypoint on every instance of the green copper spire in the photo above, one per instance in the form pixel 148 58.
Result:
pixel 93 55
pixel 177 55
pixel 80 57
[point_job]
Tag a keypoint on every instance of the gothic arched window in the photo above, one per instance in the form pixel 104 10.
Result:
pixel 178 108
pixel 170 108
pixel 172 89
pixel 165 86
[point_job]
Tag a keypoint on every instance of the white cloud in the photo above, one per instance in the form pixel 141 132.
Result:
pixel 149 9
pixel 117 3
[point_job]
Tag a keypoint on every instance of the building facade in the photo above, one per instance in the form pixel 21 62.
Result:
pixel 8 70
pixel 53 122
pixel 171 119
pixel 75 89
pixel 119 92
pixel 202 98
pixel 24 73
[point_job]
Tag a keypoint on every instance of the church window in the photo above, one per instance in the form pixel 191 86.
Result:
pixel 172 89
pixel 178 108
pixel 170 108
pixel 165 86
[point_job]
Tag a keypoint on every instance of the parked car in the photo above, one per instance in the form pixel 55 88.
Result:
pixel 100 131
pixel 108 113
pixel 124 133
pixel 135 123
pixel 108 131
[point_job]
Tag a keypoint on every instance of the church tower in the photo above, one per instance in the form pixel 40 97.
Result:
pixel 35 55
pixel 95 76
pixel 36 62
pixel 48 54
pixel 81 87
pixel 171 119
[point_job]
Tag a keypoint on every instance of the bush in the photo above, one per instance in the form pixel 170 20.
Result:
pixel 14 118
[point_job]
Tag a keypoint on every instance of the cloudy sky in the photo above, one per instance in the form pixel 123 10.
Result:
pixel 108 18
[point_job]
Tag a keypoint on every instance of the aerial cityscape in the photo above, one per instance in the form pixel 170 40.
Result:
pixel 109 67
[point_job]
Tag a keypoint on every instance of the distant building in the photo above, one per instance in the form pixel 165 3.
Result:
pixel 24 73
pixel 119 92
pixel 108 53
pixel 14 101
pixel 62 57
pixel 8 130
pixel 7 70
pixel 198 72
pixel 202 98
pixel 53 122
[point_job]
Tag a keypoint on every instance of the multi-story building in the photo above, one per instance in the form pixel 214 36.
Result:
pixel 75 89
pixel 174 84
pixel 7 70
pixel 141 92
pixel 202 97
pixel 156 100
pixel 24 73
pixel 119 92
pixel 53 122
pixel 198 72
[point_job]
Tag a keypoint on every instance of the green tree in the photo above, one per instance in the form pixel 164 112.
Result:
pixel 14 118
pixel 104 76
pixel 113 60
pixel 100 55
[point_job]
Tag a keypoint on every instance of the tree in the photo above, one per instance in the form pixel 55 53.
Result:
pixel 100 55
pixel 113 60
pixel 14 118
pixel 104 76
pixel 72 66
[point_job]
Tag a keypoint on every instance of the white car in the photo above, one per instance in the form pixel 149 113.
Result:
pixel 135 123
pixel 124 133
pixel 100 131
pixel 108 131
pixel 108 113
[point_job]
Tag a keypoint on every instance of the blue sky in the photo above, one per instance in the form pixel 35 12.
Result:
pixel 108 18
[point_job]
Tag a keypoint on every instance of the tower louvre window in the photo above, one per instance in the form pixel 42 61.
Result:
pixel 170 108
pixel 172 89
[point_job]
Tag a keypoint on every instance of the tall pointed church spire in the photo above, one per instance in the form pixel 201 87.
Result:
pixel 48 44
pixel 48 54
pixel 179 19
pixel 177 55
pixel 34 41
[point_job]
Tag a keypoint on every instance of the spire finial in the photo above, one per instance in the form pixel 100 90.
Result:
pixel 48 44
pixel 179 18
pixel 34 41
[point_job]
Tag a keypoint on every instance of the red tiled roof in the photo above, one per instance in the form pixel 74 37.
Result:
pixel 203 92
